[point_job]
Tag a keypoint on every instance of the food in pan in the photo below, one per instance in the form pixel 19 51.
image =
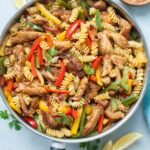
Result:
pixel 73 68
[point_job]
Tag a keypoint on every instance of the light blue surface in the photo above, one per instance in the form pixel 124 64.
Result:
pixel 25 140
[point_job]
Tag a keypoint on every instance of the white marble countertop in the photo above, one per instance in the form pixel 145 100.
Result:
pixel 26 140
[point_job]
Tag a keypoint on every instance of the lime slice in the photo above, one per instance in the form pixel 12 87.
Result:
pixel 108 146
pixel 126 140
pixel 19 3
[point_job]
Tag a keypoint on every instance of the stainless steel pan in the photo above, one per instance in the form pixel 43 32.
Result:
pixel 114 126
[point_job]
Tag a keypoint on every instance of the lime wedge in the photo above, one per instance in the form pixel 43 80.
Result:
pixel 108 145
pixel 126 140
pixel 19 3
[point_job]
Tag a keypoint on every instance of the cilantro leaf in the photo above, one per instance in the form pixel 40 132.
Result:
pixel 48 56
pixel 88 69
pixel 15 124
pixel 53 51
pixel 4 114
pixel 54 59
pixel 63 118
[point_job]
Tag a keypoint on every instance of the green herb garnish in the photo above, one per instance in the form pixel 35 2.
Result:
pixel 88 69
pixel 4 114
pixel 63 118
pixel 48 56
pixel 94 145
pixel 54 59
pixel 53 51
pixel 15 124
pixel 134 34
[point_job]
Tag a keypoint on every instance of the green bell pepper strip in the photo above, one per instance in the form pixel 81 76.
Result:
pixel 113 86
pixel 36 118
pixel 130 100
pixel 82 123
pixel 98 20
pixel 114 104
pixel 125 79
pixel 84 4
pixel 63 3
pixel 35 27
pixel 2 67
pixel 78 135
pixel 81 14
pixel 37 63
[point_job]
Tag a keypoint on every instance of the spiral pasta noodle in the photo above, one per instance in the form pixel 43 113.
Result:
pixel 27 99
pixel 66 132
pixel 109 27
pixel 55 6
pixel 28 75
pixel 74 3
pixel 83 33
pixel 113 15
pixel 101 97
pixel 43 126
pixel 16 101
pixel 86 59
pixel 94 49
pixel 75 52
pixel 74 14
pixel 55 133
pixel 44 45
pixel 32 10
pixel 134 44
pixel 77 104
pixel 71 89
pixel 9 75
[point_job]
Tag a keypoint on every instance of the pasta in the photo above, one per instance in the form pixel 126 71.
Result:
pixel 67 66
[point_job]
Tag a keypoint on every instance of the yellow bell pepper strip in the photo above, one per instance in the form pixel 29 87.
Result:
pixel 82 122
pixel 129 82
pixel 61 36
pixel 47 14
pixel 105 121
pixel 98 76
pixel 61 74
pixel 88 109
pixel 12 105
pixel 75 126
pixel 43 106
pixel 66 109
pixel 130 100
pixel 9 86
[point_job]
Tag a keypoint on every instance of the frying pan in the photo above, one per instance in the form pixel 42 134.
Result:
pixel 59 144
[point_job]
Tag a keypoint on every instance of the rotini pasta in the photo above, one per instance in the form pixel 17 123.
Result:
pixel 66 132
pixel 28 75
pixel 83 33
pixel 44 45
pixel 102 97
pixel 55 133
pixel 74 14
pixel 16 101
pixel 86 59
pixel 77 104
pixel 74 3
pixel 71 88
pixel 109 27
pixel 94 49
pixel 113 15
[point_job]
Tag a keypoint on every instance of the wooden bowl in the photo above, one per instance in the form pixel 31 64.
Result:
pixel 136 2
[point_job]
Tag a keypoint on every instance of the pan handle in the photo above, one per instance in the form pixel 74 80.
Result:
pixel 58 146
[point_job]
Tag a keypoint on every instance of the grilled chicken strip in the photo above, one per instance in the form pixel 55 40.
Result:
pixel 101 5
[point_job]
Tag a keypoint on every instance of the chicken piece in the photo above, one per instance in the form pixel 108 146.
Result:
pixel 103 103
pixel 35 91
pixel 121 107
pixel 8 50
pixel 117 38
pixel 22 37
pixel 91 91
pixel 81 89
pixel 19 53
pixel 75 67
pixel 24 108
pixel 106 80
pixel 62 44
pixel 21 86
pixel 47 75
pixel 49 121
pixel 125 27
pixel 106 18
pixel 105 46
pixel 107 65
pixel 119 61
pixel 18 71
pixel 39 20
pixel 59 13
pixel 92 121
pixel 101 5
pixel 114 115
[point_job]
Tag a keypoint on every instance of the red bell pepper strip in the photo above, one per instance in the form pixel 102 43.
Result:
pixel 9 86
pixel 96 62
pixel 61 74
pixel 15 85
pixel 91 35
pixel 93 77
pixel 130 75
pixel 50 42
pixel 100 123
pixel 74 113
pixel 57 91
pixel 88 42
pixel 2 80
pixel 34 47
pixel 31 121
pixel 73 27
pixel 33 66
pixel 68 111
pixel 40 56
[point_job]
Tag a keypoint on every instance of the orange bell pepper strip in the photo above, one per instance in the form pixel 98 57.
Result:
pixel 61 74
pixel 74 113
pixel 40 56
pixel 2 80
pixel 93 77
pixel 50 42
pixel 100 123
pixel 57 91
pixel 88 42
pixel 33 66
pixel 34 47
pixel 9 86
pixel 96 62
pixel 91 35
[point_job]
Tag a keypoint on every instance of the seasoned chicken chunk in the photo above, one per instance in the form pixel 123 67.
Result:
pixel 117 38
pixel 39 20
pixel 101 5
pixel 105 46
pixel 62 44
